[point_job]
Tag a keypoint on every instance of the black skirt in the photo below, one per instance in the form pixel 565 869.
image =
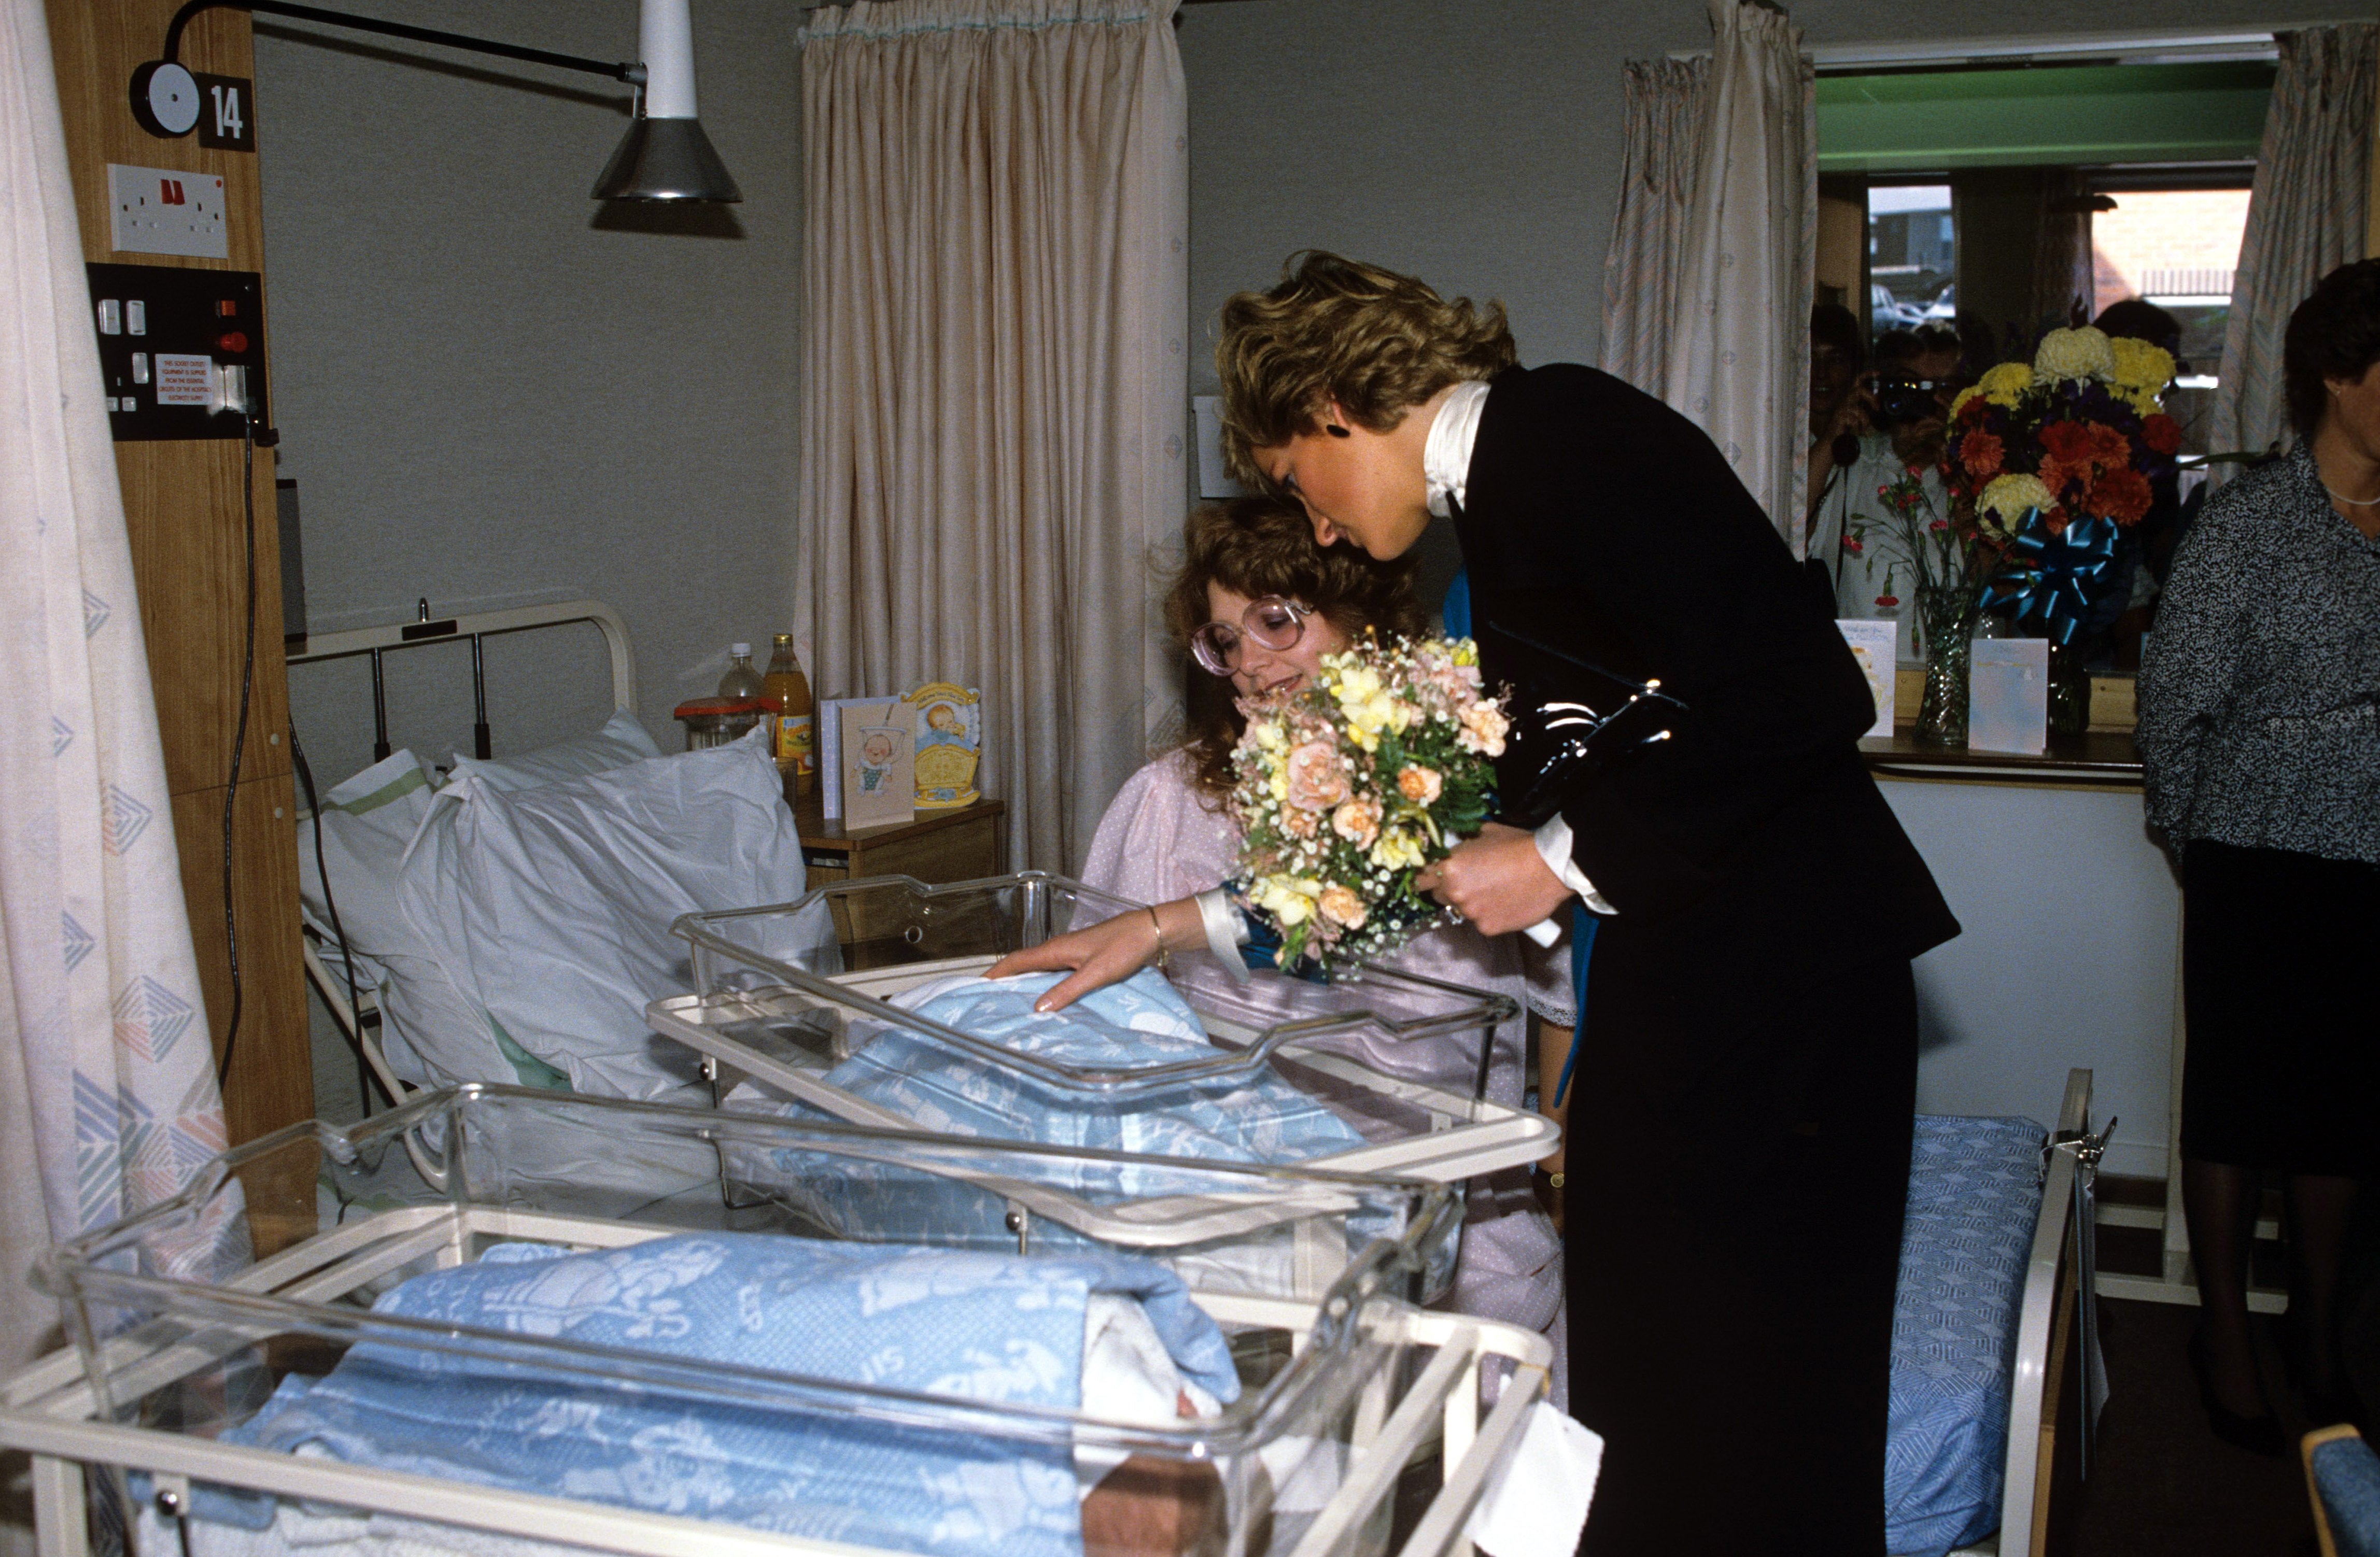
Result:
pixel 2282 1068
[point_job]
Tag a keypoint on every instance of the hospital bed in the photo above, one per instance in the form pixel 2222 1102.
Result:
pixel 232 1380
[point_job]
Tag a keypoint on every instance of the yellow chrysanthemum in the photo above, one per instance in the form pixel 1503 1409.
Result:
pixel 2002 384
pixel 2005 502
pixel 2139 366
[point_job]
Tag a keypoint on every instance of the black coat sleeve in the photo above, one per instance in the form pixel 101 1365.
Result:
pixel 1610 521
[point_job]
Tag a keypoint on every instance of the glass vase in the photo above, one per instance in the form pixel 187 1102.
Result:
pixel 1947 616
pixel 2070 691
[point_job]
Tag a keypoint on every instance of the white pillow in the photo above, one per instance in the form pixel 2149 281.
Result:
pixel 368 822
pixel 623 740
pixel 550 908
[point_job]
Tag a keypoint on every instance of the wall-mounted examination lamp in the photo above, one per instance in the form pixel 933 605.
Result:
pixel 664 156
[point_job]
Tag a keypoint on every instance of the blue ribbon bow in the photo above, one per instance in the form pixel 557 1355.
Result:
pixel 2054 580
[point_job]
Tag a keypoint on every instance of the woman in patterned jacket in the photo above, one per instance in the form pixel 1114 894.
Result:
pixel 2260 739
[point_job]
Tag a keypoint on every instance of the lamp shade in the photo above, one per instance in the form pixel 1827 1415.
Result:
pixel 665 156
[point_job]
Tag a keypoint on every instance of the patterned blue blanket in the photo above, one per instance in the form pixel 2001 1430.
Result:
pixel 967 1325
pixel 1975 1194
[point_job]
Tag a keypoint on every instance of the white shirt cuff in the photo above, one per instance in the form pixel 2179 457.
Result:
pixel 1553 848
pixel 1226 931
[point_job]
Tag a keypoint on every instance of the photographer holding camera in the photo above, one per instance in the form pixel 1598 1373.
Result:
pixel 1904 406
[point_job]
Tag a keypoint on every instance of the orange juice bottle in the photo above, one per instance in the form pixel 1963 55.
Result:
pixel 796 741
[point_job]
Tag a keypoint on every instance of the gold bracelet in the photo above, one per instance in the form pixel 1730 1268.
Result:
pixel 1158 925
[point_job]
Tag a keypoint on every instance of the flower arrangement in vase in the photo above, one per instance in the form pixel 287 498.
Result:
pixel 1947 557
pixel 2052 460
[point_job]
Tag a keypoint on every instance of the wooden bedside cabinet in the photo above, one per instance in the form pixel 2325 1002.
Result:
pixel 960 844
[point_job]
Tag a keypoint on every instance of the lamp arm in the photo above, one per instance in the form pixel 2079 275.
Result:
pixel 632 73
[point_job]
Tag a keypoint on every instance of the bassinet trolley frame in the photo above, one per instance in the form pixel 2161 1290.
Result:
pixel 1394 1378
pixel 895 932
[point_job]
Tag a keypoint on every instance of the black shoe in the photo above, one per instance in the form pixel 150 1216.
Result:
pixel 2259 1434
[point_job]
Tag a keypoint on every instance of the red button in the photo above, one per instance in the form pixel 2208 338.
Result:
pixel 231 342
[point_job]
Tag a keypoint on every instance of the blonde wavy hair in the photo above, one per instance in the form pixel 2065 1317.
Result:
pixel 1338 329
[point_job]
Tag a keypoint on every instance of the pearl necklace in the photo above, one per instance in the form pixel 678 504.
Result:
pixel 2352 502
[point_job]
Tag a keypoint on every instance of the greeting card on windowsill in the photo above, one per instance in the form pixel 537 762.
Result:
pixel 2008 695
pixel 879 763
pixel 1876 644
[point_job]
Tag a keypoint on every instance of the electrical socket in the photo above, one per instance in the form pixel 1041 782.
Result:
pixel 166 210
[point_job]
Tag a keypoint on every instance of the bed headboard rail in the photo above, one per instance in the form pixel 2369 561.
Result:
pixel 473 627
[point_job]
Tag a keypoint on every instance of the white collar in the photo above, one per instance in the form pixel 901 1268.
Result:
pixel 1446 458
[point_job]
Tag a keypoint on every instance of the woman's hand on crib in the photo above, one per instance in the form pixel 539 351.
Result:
pixel 1109 952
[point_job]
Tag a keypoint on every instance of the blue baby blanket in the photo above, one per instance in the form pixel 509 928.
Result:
pixel 1975 1194
pixel 1138 1022
pixel 968 1325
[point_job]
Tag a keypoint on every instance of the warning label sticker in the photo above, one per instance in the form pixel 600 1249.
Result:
pixel 184 381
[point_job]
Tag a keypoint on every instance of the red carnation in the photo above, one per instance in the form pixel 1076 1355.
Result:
pixel 1981 453
pixel 2123 495
pixel 1888 601
pixel 2067 442
pixel 1854 545
pixel 2161 434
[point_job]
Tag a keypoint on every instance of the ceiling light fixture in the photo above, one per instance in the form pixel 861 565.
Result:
pixel 664 156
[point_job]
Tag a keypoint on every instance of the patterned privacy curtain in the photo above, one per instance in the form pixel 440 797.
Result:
pixel 1669 108
pixel 994 377
pixel 2306 218
pixel 107 1089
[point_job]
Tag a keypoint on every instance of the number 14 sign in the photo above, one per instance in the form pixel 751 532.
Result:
pixel 226 112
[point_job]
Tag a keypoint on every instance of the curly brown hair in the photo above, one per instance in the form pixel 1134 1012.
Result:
pixel 1375 342
pixel 1256 547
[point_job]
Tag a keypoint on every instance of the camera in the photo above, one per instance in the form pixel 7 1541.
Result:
pixel 1901 401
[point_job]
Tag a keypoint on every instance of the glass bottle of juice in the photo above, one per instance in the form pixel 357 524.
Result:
pixel 796 741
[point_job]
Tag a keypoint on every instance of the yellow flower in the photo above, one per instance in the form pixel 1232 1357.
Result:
pixel 1358 683
pixel 2001 385
pixel 1397 849
pixel 1269 735
pixel 2072 353
pixel 2004 503
pixel 1288 899
pixel 1964 395
pixel 1465 652
pixel 2139 366
pixel 2145 402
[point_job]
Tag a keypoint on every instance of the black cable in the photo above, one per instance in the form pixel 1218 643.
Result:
pixel 365 1078
pixel 629 71
pixel 239 736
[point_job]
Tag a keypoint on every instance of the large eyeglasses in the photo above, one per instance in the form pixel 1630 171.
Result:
pixel 1272 622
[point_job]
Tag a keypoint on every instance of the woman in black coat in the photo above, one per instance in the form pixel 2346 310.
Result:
pixel 1741 1117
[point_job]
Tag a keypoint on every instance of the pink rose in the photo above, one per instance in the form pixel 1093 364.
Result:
pixel 1358 821
pixel 1341 907
pixel 1419 785
pixel 1483 730
pixel 1297 823
pixel 1316 782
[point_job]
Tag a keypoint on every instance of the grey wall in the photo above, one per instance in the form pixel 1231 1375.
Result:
pixel 1476 143
pixel 494 391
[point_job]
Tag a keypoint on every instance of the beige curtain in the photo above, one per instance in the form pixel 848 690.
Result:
pixel 1661 150
pixel 994 385
pixel 2306 217
pixel 1740 356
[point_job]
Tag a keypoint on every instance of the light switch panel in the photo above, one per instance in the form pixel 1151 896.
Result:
pixel 166 210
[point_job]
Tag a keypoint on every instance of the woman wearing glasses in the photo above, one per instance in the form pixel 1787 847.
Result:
pixel 1260 606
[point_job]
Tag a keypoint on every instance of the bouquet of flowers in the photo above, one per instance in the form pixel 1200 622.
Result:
pixel 2078 433
pixel 1348 787
pixel 1935 549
